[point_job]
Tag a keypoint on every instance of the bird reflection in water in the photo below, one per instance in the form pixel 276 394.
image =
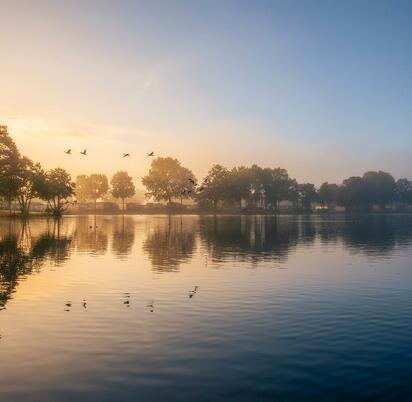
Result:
pixel 193 292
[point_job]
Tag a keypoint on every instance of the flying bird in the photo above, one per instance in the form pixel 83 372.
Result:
pixel 191 181
pixel 84 152
pixel 68 152
pixel 151 154
pixel 126 155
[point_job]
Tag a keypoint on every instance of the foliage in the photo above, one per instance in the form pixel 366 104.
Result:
pixel 403 190
pixel 56 188
pixel 214 187
pixel 91 187
pixel 354 193
pixel 381 187
pixel 328 194
pixel 308 195
pixel 9 166
pixel 168 179
pixel 122 186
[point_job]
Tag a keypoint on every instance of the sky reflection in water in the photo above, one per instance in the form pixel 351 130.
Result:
pixel 205 308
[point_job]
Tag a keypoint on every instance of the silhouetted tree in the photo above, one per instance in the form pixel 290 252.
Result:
pixel 381 188
pixel 214 187
pixel 239 186
pixel 9 166
pixel 29 178
pixel 355 193
pixel 56 188
pixel 328 194
pixel 122 186
pixel 167 179
pixel 307 195
pixel 278 186
pixel 403 190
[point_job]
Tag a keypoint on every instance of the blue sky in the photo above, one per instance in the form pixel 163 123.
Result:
pixel 322 88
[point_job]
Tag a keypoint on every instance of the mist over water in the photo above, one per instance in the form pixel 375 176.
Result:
pixel 204 308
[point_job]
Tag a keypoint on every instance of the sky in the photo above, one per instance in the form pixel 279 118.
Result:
pixel 321 88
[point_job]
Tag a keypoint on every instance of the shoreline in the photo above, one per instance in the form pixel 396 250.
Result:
pixel 5 214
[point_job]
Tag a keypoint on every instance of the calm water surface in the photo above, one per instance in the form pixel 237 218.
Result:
pixel 242 308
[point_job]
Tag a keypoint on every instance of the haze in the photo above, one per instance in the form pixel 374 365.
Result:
pixel 320 88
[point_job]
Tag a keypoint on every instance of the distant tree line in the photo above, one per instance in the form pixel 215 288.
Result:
pixel 254 187
pixel 264 188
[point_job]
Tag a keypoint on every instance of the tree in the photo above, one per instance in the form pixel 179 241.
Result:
pixel 403 190
pixel 381 187
pixel 91 187
pixel 167 179
pixel 56 188
pixel 9 166
pixel 122 186
pixel 278 186
pixel 239 185
pixel 29 178
pixel 355 193
pixel 99 186
pixel 214 187
pixel 328 194
pixel 82 190
pixel 307 195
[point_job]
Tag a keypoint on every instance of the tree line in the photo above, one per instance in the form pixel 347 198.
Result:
pixel 22 180
pixel 254 187
pixel 264 188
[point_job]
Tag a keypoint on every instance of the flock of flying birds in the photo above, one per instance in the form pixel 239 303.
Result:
pixel 84 152
pixel 185 191
pixel 126 301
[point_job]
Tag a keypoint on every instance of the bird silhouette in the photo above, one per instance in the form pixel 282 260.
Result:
pixel 151 306
pixel 68 304
pixel 191 181
pixel 84 304
pixel 84 152
pixel 126 155
pixel 68 151
pixel 151 154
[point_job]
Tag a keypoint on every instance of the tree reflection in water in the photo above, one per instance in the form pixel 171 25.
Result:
pixel 250 238
pixel 123 236
pixel 21 254
pixel 91 235
pixel 170 242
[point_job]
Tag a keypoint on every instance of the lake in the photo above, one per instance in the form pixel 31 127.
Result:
pixel 205 308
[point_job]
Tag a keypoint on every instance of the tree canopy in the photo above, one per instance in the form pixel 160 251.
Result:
pixel 168 179
pixel 91 187
pixel 122 186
